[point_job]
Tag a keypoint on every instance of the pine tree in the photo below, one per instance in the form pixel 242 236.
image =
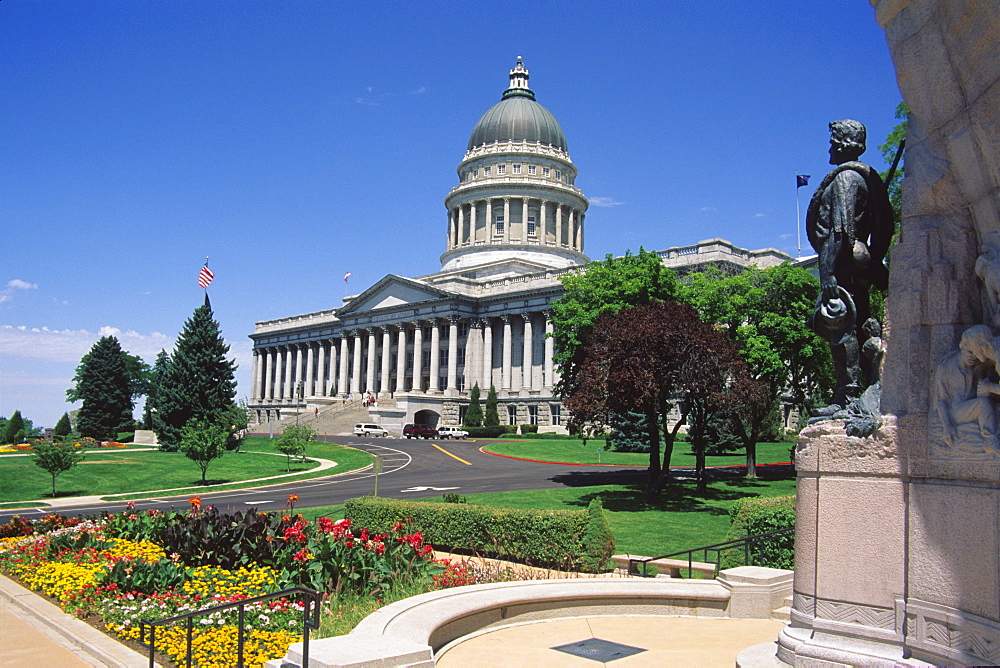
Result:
pixel 474 414
pixel 491 418
pixel 104 386
pixel 199 382
pixel 14 425
pixel 63 427
pixel 159 370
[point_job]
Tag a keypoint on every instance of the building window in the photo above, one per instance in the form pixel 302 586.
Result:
pixel 443 360
pixel 558 175
pixel 463 328
pixel 511 414
pixel 461 414
pixel 531 226
pixel 555 410
pixel 532 414
pixel 499 225
pixel 531 170
pixel 501 169
pixel 409 360
pixel 545 171
pixel 517 169
pixel 461 356
pixel 486 171
pixel 475 173
pixel 426 359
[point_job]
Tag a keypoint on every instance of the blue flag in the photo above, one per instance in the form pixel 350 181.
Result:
pixel 801 180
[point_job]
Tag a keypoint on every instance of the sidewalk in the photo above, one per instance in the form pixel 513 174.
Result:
pixel 35 632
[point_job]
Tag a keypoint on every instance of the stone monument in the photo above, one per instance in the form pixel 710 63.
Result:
pixel 898 534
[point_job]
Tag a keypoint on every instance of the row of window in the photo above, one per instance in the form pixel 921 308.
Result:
pixel 487 171
pixel 499 225
pixel 555 412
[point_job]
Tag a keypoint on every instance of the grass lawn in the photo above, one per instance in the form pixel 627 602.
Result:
pixel 577 452
pixel 108 472
pixel 678 521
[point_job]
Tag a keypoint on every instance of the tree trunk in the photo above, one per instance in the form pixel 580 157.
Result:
pixel 653 484
pixel 751 448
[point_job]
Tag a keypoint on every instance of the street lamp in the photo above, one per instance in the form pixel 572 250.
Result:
pixel 298 391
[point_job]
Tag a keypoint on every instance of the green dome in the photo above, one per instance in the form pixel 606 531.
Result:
pixel 518 117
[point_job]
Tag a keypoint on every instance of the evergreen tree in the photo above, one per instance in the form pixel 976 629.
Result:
pixel 104 385
pixel 199 382
pixel 628 432
pixel 63 427
pixel 491 418
pixel 155 380
pixel 14 425
pixel 474 414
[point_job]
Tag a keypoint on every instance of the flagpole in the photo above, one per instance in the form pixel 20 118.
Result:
pixel 798 215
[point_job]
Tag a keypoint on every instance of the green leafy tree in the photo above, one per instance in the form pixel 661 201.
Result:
pixel 63 427
pixel 474 413
pixel 105 382
pixel 199 383
pixel 603 287
pixel 293 442
pixel 491 418
pixel 203 441
pixel 765 312
pixel 894 185
pixel 14 425
pixel 56 458
pixel 156 375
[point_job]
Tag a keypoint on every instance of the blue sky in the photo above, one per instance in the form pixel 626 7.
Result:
pixel 292 142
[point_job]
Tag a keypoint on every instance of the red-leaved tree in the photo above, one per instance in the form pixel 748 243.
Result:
pixel 651 358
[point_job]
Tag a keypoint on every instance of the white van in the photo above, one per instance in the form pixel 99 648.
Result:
pixel 452 432
pixel 369 430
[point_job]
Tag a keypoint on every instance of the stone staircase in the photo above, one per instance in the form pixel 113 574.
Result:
pixel 335 418
pixel 784 613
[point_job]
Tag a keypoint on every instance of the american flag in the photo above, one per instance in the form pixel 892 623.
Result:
pixel 205 276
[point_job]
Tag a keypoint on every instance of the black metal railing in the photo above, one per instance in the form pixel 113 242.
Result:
pixel 310 622
pixel 634 565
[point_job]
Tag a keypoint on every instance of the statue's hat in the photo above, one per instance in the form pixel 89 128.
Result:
pixel 834 318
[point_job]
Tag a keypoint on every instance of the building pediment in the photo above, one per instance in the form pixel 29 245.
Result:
pixel 392 292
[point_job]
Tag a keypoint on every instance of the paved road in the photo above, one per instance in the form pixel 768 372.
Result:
pixel 411 469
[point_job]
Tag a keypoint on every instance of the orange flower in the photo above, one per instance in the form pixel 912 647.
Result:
pixel 293 498
pixel 195 501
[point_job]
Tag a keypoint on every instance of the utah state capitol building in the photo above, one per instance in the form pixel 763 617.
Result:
pixel 515 224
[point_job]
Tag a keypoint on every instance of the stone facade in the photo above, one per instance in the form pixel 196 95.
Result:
pixel 898 536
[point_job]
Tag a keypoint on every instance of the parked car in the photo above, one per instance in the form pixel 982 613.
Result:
pixel 452 432
pixel 419 431
pixel 370 430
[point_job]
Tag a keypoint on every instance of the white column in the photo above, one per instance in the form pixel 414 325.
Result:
pixel 542 223
pixel 268 391
pixel 572 228
pixel 401 359
pixel 386 354
pixel 473 354
pixel 435 356
pixel 331 378
pixel 255 385
pixel 370 372
pixel 524 219
pixel 550 350
pixel 505 370
pixel 356 364
pixel 506 220
pixel 287 392
pixel 321 374
pixel 472 222
pixel 417 384
pixel 487 376
pixel 452 388
pixel 559 237
pixel 308 389
pixel 526 361
pixel 342 387
pixel 579 228
pixel 452 225
pixel 459 224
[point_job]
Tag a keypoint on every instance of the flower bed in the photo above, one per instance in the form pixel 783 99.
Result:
pixel 121 569
pixel 85 442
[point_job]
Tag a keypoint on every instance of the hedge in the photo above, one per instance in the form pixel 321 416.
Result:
pixel 575 540
pixel 486 432
pixel 756 515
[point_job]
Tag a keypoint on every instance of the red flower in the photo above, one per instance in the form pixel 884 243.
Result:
pixel 325 524
pixel 195 502
pixel 302 555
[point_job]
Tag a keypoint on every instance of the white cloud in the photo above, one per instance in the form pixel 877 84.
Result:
pixel 69 345
pixel 13 285
pixel 708 208
pixel 758 215
pixel 605 201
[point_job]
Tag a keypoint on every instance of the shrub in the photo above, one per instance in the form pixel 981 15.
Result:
pixel 510 429
pixel 564 437
pixel 529 428
pixel 567 539
pixel 486 432
pixel 755 515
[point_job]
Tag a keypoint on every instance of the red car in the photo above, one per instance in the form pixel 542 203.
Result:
pixel 419 431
